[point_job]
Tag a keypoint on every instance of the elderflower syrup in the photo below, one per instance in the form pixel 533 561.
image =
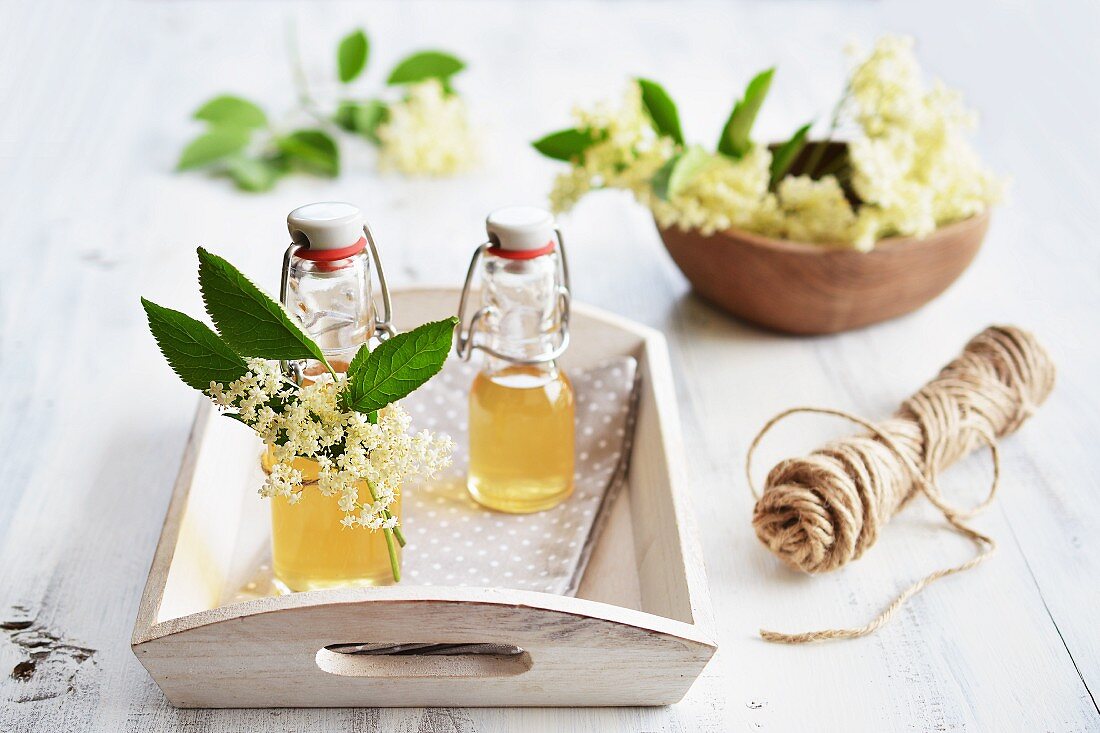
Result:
pixel 311 549
pixel 326 286
pixel 521 426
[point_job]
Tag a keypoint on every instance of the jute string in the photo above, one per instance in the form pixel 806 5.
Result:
pixel 823 510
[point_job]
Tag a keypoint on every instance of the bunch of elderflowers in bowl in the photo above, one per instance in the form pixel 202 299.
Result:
pixel 347 431
pixel 870 221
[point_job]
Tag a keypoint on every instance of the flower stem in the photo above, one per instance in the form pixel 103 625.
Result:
pixel 819 147
pixel 386 513
pixel 301 81
pixel 835 165
pixel 395 566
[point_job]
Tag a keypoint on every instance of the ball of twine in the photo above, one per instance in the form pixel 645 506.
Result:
pixel 821 511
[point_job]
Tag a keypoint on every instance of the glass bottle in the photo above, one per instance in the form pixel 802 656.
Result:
pixel 326 286
pixel 521 426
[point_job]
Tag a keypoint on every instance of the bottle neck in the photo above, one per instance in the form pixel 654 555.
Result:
pixel 521 301
pixel 493 366
pixel 331 300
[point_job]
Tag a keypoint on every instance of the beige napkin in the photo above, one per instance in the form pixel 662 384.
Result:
pixel 454 541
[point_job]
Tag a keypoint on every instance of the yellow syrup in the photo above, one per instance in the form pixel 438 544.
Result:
pixel 521 439
pixel 310 549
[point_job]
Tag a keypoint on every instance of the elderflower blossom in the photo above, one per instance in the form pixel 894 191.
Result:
pixel 811 210
pixel 427 133
pixel 627 152
pixel 363 465
pixel 726 193
pixel 912 168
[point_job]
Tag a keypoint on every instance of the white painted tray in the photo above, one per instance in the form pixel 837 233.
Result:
pixel 638 632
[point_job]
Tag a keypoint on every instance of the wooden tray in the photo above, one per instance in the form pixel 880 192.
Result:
pixel 638 632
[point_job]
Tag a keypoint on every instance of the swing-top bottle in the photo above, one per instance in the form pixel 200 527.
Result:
pixel 521 422
pixel 326 286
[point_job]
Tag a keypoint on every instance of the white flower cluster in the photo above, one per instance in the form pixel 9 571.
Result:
pixel 362 464
pixel 726 193
pixel 626 154
pixel 427 133
pixel 807 210
pixel 912 168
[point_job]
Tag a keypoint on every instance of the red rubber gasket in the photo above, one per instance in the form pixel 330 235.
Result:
pixel 328 255
pixel 527 254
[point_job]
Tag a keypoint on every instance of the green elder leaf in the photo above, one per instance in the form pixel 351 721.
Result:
pixel 254 174
pixel 351 55
pixel 787 153
pixel 679 171
pixel 311 150
pixel 425 65
pixel 192 349
pixel 398 366
pixel 249 321
pixel 362 117
pixel 230 111
pixel 213 146
pixel 735 140
pixel 661 109
pixel 567 145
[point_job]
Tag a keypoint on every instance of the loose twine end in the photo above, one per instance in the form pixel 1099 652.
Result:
pixel 821 511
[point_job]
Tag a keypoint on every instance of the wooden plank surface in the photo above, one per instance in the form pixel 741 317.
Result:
pixel 97 97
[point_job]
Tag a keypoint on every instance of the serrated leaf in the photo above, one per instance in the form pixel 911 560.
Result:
pixel 213 146
pixel 249 321
pixel 397 366
pixel 351 55
pixel 253 174
pixel 567 145
pixel 362 117
pixel 425 65
pixel 661 109
pixel 230 111
pixel 675 174
pixel 192 349
pixel 735 140
pixel 786 154
pixel 311 150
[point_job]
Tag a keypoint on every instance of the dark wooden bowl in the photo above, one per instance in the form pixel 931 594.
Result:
pixel 810 289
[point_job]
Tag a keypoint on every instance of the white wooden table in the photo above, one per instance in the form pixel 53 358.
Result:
pixel 96 100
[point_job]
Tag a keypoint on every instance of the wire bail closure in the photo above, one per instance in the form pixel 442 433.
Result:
pixel 383 327
pixel 465 344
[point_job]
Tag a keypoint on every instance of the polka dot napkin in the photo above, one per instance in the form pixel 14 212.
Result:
pixel 454 541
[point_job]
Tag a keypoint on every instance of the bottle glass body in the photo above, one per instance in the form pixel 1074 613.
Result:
pixel 332 302
pixel 521 425
pixel 310 548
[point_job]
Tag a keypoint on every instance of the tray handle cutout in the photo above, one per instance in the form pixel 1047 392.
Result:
pixel 423 660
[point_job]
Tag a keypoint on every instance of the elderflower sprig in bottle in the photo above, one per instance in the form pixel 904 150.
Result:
pixel 341 448
pixel 326 285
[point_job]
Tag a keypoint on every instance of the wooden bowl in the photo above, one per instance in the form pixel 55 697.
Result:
pixel 812 289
